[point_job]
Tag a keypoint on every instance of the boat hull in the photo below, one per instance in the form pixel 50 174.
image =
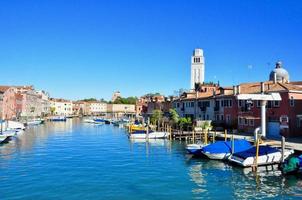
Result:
pixel 153 135
pixel 267 159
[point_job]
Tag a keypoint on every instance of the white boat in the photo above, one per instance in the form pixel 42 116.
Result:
pixel 7 134
pixel 12 125
pixel 267 156
pixel 195 149
pixel 151 135
pixel 90 121
pixel 34 122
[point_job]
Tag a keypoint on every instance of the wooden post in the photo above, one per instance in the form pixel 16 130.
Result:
pixel 255 166
pixel 283 148
pixel 147 130
pixel 233 146
pixel 205 137
pixel 214 136
pixel 225 135
pixel 193 134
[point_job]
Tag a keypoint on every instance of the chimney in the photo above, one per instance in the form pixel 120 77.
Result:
pixel 238 89
pixel 275 77
pixel 262 87
pixel 234 90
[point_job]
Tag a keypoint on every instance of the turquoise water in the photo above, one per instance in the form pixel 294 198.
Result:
pixel 73 160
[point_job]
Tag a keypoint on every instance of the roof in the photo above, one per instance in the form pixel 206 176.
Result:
pixel 4 88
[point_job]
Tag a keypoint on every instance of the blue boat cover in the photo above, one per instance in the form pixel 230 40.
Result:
pixel 226 147
pixel 263 150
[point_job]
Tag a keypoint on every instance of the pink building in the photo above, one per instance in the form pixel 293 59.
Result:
pixel 10 104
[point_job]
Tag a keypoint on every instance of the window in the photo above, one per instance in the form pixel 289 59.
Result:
pixel 292 102
pixel 299 122
pixel 245 121
pixel 228 118
pixel 276 104
pixel 251 122
pixel 239 121
pixel 239 103
pixel 258 104
pixel 221 117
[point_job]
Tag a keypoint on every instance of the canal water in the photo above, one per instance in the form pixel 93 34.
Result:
pixel 73 160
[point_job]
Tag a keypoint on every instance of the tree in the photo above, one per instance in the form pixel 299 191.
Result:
pixel 184 122
pixel 174 117
pixel 157 116
pixel 52 110
pixel 128 100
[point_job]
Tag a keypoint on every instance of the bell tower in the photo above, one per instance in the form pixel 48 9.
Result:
pixel 197 68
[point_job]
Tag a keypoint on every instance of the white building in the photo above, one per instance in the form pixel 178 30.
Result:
pixel 97 108
pixel 45 102
pixel 61 107
pixel 197 68
pixel 119 110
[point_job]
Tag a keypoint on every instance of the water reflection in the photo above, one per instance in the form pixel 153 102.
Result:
pixel 211 176
pixel 33 135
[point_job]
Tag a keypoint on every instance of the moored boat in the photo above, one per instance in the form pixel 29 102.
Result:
pixel 195 149
pixel 34 122
pixel 292 166
pixel 58 118
pixel 221 150
pixel 267 155
pixel 151 135
pixel 5 135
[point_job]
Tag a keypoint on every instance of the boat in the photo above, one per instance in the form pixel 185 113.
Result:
pixel 267 156
pixel 151 135
pixel 5 135
pixel 90 121
pixel 134 128
pixel 195 149
pixel 221 150
pixel 58 119
pixel 292 166
pixel 12 125
pixel 34 122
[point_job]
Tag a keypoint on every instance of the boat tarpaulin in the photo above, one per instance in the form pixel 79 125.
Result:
pixel 226 147
pixel 263 150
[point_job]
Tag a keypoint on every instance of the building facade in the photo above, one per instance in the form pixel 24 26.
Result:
pixel 61 107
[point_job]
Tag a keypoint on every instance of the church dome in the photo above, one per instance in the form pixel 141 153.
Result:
pixel 281 73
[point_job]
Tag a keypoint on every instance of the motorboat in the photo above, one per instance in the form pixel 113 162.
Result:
pixel 90 121
pixel 221 150
pixel 58 119
pixel 292 166
pixel 267 155
pixel 11 125
pixel 34 122
pixel 151 135
pixel 195 149
pixel 5 135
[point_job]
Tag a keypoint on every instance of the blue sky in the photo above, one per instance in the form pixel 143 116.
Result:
pixel 76 49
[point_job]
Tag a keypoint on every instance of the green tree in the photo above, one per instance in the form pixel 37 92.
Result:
pixel 184 122
pixel 157 116
pixel 52 110
pixel 128 100
pixel 174 117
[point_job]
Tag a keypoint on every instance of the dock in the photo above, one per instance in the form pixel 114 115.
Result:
pixel 293 143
